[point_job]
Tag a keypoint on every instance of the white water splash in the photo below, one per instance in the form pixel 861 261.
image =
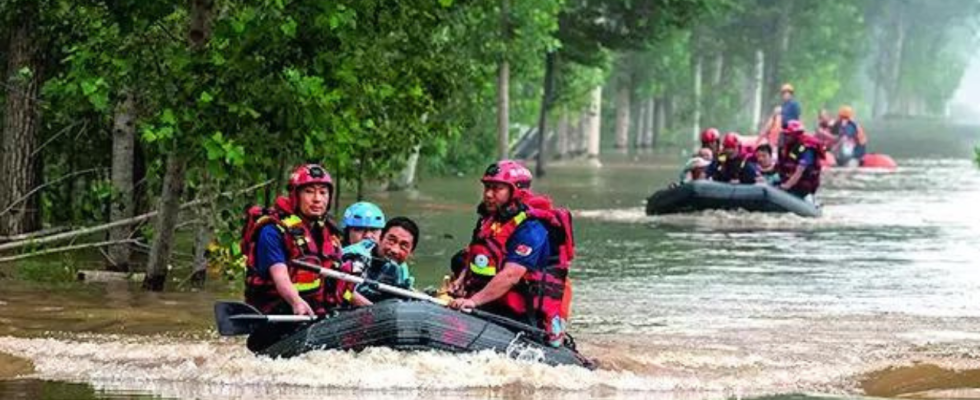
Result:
pixel 224 369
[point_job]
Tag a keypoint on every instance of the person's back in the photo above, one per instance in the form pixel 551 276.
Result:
pixel 727 166
pixel 791 108
pixel 798 166
pixel 748 171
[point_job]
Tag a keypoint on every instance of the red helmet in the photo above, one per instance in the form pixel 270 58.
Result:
pixel 308 174
pixel 710 135
pixel 509 172
pixel 794 127
pixel 731 141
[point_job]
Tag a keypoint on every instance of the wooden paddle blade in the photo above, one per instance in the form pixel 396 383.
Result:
pixel 228 326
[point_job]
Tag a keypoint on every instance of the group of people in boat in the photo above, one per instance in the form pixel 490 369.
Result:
pixel 783 155
pixel 515 265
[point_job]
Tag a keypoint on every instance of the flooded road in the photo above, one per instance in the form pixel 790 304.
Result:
pixel 880 296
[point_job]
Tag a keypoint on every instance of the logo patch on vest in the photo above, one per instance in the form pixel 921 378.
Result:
pixel 481 260
pixel 523 250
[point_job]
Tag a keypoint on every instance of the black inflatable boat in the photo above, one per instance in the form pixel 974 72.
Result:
pixel 708 195
pixel 415 325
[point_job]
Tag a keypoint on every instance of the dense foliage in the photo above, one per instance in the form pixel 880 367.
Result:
pixel 235 92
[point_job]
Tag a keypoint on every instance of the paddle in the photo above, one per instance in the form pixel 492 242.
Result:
pixel 235 318
pixel 536 333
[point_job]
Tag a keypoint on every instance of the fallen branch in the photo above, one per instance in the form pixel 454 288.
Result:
pixel 63 249
pixel 46 184
pixel 125 222
pixel 42 232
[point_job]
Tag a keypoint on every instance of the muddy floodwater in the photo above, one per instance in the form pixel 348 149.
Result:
pixel 879 297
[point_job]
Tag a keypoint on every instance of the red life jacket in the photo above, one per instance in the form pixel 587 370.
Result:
pixel 789 156
pixel 299 242
pixel 543 296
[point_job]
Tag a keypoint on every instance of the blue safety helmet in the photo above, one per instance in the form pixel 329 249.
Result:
pixel 364 215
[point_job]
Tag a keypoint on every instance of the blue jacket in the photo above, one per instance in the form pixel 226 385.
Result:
pixel 791 111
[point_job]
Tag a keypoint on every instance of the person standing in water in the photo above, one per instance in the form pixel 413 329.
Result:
pixel 791 110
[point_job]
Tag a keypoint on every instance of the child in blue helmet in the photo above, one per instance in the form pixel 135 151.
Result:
pixel 363 222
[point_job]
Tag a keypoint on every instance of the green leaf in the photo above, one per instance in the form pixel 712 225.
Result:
pixel 217 59
pixel 89 86
pixel 99 100
pixel 238 26
pixel 235 155
pixel 289 28
pixel 446 3
pixel 168 117
pixel 205 97
pixel 25 73
pixel 166 132
pixel 148 135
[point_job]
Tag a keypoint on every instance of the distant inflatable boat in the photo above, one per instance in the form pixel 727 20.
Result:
pixel 871 160
pixel 880 161
pixel 709 195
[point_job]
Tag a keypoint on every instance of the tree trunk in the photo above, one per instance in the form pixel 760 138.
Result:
pixel 141 202
pixel 895 63
pixel 549 74
pixel 717 70
pixel 595 128
pixel 202 238
pixel 641 123
pixel 200 23
pixel 561 151
pixel 503 88
pixel 758 77
pixel 785 30
pixel 697 99
pixel 19 167
pixel 199 33
pixel 582 141
pixel 623 115
pixel 406 178
pixel 650 134
pixel 202 232
pixel 123 142
pixel 660 118
pixel 166 223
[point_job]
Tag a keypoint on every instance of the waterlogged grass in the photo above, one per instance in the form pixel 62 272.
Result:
pixel 47 271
